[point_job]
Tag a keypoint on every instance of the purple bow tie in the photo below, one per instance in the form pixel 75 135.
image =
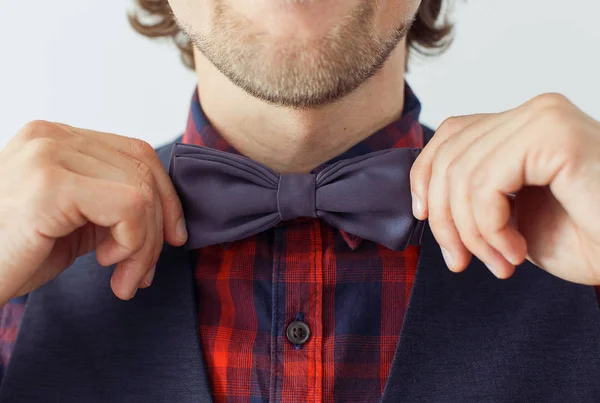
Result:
pixel 227 197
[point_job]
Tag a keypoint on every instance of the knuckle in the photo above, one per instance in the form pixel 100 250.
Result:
pixel 440 226
pixel 147 196
pixel 79 141
pixel 144 173
pixel 557 118
pixel 571 152
pixel 455 171
pixel 444 157
pixel 41 150
pixel 552 109
pixel 549 100
pixel 35 129
pixel 488 226
pixel 472 239
pixel 478 179
pixel 450 125
pixel 138 200
pixel 136 241
pixel 141 149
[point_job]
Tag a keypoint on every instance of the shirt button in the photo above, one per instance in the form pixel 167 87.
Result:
pixel 298 333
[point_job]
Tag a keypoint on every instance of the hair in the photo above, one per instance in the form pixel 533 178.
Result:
pixel 430 33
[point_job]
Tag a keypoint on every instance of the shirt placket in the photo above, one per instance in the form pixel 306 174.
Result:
pixel 296 369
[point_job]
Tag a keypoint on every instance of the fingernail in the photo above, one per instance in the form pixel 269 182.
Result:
pixel 134 292
pixel 493 270
pixel 149 277
pixel 417 206
pixel 447 258
pixel 181 231
pixel 512 258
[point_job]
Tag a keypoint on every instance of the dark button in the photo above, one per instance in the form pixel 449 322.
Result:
pixel 298 332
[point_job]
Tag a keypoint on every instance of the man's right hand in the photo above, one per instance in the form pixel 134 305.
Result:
pixel 66 191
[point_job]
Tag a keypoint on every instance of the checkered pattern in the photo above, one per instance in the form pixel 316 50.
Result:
pixel 10 318
pixel 351 293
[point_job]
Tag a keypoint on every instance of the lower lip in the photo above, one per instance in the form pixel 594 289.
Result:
pixel 299 19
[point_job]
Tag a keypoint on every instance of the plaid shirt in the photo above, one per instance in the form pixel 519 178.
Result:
pixel 351 292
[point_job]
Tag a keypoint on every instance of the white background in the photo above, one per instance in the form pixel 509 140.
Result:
pixel 79 62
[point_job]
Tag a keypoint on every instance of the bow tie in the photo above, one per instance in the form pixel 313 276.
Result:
pixel 227 197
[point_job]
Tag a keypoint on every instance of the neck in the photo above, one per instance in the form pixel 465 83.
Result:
pixel 298 140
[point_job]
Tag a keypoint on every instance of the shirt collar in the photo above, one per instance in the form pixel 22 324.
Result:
pixel 404 132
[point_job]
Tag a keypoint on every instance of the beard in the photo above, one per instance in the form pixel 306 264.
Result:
pixel 302 74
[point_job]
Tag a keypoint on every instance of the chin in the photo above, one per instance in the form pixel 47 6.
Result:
pixel 297 54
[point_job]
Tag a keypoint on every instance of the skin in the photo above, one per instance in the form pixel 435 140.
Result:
pixel 299 100
pixel 265 38
pixel 68 191
pixel 547 151
pixel 71 190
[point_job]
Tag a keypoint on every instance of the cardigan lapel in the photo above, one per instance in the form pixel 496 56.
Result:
pixel 79 343
pixel 465 337
pixel 472 337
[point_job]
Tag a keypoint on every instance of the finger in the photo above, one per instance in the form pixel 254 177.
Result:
pixel 110 251
pixel 465 206
pixel 474 241
pixel 85 165
pixel 515 164
pixel 492 212
pixel 175 229
pixel 441 220
pixel 129 273
pixel 126 217
pixel 448 156
pixel 446 170
pixel 421 170
pixel 474 158
pixel 461 211
pixel 84 199
pixel 149 276
pixel 461 207
pixel 94 159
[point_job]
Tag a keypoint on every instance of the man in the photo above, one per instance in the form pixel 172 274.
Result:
pixel 286 275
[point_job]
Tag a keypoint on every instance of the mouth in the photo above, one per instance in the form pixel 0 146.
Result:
pixel 298 19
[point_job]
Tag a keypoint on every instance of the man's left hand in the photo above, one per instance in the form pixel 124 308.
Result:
pixel 546 152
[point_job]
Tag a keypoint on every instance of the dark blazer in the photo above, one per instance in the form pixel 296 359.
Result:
pixel 466 337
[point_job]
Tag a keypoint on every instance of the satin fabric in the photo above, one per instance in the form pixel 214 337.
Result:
pixel 227 197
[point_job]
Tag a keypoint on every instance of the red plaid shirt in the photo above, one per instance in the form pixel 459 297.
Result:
pixel 352 294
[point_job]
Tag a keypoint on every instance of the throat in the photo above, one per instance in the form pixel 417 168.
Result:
pixel 297 140
pixel 286 152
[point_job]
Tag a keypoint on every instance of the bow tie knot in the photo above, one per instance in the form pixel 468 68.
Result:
pixel 228 197
pixel 296 196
